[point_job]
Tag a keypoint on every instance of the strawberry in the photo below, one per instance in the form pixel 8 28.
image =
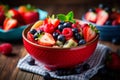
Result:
pixel 53 21
pixel 31 17
pixel 89 32
pixel 3 9
pixel 13 13
pixel 49 28
pixel 46 40
pixel 113 61
pixel 29 14
pixel 91 16
pixel 5 48
pixel 9 23
pixel 98 10
pixel 102 17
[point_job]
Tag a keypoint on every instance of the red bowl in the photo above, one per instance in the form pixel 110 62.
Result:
pixel 54 58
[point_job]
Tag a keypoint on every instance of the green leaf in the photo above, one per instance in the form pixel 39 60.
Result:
pixel 62 17
pixel 70 16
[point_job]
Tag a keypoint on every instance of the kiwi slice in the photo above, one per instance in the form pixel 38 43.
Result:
pixel 70 43
pixel 59 43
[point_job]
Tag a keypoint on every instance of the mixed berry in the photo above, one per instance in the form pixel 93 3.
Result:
pixel 63 31
pixel 103 15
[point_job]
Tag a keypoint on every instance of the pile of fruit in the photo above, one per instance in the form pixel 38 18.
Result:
pixel 11 17
pixel 63 31
pixel 103 15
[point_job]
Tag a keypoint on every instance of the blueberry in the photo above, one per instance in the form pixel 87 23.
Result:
pixel 31 61
pixel 60 27
pixel 33 31
pixel 75 30
pixel 77 70
pixel 86 66
pixel 55 35
pixel 61 38
pixel 82 41
pixel 47 76
pixel 61 72
pixel 67 24
pixel 77 36
pixel 36 35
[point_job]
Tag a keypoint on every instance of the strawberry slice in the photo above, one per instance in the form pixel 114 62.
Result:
pixel 46 40
pixel 13 13
pixel 89 32
pixel 9 23
pixel 53 21
pixel 102 17
pixel 91 16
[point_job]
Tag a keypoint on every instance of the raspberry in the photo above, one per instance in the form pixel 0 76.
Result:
pixel 67 32
pixel 6 48
pixel 49 28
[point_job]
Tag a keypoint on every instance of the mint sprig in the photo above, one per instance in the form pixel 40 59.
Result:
pixel 69 17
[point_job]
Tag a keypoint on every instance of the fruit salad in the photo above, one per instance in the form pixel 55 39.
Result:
pixel 103 15
pixel 12 18
pixel 61 31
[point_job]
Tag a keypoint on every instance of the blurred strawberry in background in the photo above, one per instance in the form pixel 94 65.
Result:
pixel 3 9
pixel 29 13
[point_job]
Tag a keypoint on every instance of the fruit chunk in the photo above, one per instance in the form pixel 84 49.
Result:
pixel 46 40
pixel 91 16
pixel 102 17
pixel 5 48
pixel 37 24
pixel 30 37
pixel 13 13
pixel 89 32
pixel 70 43
pixel 53 21
pixel 29 13
pixel 9 23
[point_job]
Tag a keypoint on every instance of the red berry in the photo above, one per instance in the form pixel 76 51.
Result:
pixel 6 48
pixel 49 28
pixel 67 32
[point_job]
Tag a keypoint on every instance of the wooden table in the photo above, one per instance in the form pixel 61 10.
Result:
pixel 8 69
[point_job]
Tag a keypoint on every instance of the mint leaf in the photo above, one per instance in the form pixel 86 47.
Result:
pixel 69 17
pixel 61 17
